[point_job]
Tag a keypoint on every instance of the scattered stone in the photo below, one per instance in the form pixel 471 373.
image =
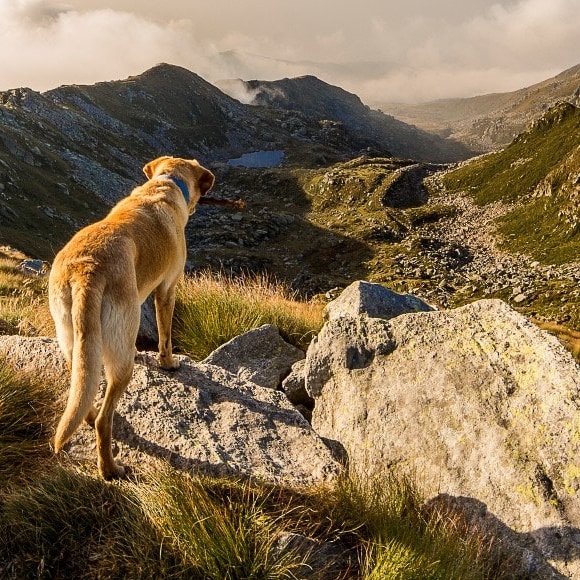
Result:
pixel 260 356
pixel 329 560
pixel 33 267
pixel 148 336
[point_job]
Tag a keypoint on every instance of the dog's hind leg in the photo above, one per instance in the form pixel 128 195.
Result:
pixel 120 326
pixel 117 380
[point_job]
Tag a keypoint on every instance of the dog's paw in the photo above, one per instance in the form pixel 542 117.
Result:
pixel 169 363
pixel 114 471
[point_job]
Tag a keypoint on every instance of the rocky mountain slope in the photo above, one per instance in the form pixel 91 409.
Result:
pixel 66 154
pixel 316 222
pixel 320 101
pixel 490 121
pixel 500 225
pixel 523 215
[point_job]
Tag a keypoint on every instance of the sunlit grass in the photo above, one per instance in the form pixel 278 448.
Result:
pixel 28 409
pixel 214 308
pixel 403 540
pixel 23 299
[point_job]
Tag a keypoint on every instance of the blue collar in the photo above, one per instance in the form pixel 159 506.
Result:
pixel 179 184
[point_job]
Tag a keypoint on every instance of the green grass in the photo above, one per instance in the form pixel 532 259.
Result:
pixel 404 540
pixel 512 173
pixel 214 308
pixel 23 304
pixel 538 173
pixel 27 415
pixel 70 524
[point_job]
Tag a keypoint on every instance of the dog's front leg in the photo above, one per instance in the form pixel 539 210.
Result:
pixel 164 305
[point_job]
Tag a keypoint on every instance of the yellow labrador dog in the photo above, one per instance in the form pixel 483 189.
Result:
pixel 101 277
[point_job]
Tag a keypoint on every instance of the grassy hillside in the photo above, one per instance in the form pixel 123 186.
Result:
pixel 539 174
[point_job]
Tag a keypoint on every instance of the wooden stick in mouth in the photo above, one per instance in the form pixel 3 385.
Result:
pixel 237 203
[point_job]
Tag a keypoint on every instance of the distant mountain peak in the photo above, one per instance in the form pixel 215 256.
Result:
pixel 321 101
pixel 166 71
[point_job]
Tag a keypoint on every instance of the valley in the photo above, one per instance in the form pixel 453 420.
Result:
pixel 347 192
pixel 491 121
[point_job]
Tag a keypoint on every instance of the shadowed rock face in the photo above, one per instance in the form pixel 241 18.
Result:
pixel 478 401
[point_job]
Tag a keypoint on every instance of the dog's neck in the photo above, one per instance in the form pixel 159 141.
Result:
pixel 179 183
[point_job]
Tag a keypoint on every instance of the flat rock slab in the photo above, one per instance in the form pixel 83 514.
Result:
pixel 199 417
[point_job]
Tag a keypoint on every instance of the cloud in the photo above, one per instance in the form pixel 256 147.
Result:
pixel 45 44
pixel 32 11
pixel 383 51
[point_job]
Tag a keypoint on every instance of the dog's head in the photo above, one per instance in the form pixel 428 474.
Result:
pixel 196 178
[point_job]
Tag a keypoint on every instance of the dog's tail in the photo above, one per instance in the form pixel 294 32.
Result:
pixel 87 356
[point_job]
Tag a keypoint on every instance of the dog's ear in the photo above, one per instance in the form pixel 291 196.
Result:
pixel 205 180
pixel 149 169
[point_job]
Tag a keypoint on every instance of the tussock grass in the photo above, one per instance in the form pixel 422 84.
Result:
pixel 401 539
pixel 23 303
pixel 227 529
pixel 70 524
pixel 214 308
pixel 27 413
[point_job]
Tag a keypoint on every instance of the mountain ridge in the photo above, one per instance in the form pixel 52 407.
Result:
pixel 493 120
pixel 319 100
pixel 93 140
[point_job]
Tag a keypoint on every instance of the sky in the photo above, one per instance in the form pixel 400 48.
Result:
pixel 382 50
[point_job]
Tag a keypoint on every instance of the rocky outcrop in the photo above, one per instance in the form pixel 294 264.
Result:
pixel 374 301
pixel 478 401
pixel 200 417
pixel 260 356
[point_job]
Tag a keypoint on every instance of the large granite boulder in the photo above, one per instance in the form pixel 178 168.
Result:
pixel 478 401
